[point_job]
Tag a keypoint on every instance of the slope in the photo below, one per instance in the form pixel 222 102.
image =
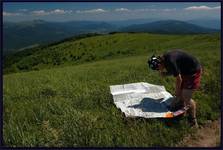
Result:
pixel 100 47
pixel 72 106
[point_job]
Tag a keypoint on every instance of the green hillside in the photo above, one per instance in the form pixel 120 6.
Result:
pixel 76 51
pixel 69 103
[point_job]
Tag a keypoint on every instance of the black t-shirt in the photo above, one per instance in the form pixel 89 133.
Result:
pixel 178 62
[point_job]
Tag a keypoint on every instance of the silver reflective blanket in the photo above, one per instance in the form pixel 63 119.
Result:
pixel 142 100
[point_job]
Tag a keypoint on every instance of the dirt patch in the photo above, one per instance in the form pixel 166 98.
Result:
pixel 206 136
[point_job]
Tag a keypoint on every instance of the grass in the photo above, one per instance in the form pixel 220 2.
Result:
pixel 102 47
pixel 72 105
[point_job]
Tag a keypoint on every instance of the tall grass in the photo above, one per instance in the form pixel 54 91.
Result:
pixel 72 106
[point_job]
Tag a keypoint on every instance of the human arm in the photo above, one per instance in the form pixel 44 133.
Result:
pixel 176 101
pixel 178 85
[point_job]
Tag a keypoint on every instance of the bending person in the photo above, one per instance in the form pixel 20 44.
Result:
pixel 187 71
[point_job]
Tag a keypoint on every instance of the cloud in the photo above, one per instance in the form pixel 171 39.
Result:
pixel 144 10
pixel 7 14
pixel 52 12
pixel 40 13
pixel 99 10
pixel 60 11
pixel 122 9
pixel 169 10
pixel 202 8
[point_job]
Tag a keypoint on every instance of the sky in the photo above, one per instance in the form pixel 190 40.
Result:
pixel 109 11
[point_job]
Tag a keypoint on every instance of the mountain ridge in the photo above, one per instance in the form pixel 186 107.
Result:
pixel 27 33
pixel 168 27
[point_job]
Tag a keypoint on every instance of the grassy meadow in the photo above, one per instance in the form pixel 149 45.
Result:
pixel 66 102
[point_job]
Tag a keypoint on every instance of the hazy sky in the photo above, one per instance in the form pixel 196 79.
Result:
pixel 106 11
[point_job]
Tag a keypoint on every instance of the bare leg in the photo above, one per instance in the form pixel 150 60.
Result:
pixel 177 102
pixel 190 103
pixel 192 110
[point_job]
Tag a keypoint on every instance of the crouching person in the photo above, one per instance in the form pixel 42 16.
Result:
pixel 187 71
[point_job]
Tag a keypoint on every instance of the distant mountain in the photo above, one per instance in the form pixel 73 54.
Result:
pixel 124 23
pixel 27 33
pixel 208 23
pixel 17 36
pixel 203 22
pixel 168 27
